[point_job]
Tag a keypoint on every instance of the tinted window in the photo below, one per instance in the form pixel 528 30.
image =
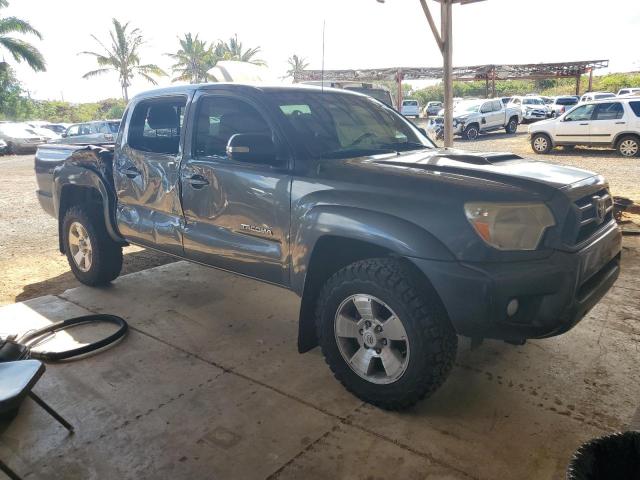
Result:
pixel 219 118
pixel 343 126
pixel 486 107
pixel 609 111
pixel 73 130
pixel 566 101
pixel 580 113
pixel 635 106
pixel 497 105
pixel 410 103
pixel 603 95
pixel 85 129
pixel 156 124
pixel 113 126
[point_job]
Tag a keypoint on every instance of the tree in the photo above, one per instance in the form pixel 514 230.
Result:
pixel 232 50
pixel 297 65
pixel 18 48
pixel 122 56
pixel 194 59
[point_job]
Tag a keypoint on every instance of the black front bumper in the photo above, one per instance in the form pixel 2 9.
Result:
pixel 553 294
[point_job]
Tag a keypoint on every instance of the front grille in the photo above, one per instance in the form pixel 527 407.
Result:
pixel 594 211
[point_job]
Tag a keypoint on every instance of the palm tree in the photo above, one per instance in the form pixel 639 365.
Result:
pixel 18 48
pixel 232 50
pixel 194 59
pixel 297 64
pixel 122 57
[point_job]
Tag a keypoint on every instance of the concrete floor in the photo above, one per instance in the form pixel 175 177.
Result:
pixel 208 384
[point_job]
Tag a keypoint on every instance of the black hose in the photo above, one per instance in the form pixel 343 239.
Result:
pixel 33 337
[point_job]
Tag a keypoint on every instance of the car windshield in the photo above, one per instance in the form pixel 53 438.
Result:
pixel 470 106
pixel 333 125
pixel 16 130
pixel 533 101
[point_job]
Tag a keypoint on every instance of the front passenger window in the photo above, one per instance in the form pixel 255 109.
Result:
pixel 580 114
pixel 219 118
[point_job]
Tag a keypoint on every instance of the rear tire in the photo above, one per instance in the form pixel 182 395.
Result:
pixel 541 143
pixel 403 352
pixel 628 146
pixel 94 258
pixel 512 126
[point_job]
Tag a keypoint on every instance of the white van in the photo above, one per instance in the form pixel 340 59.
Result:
pixel 410 108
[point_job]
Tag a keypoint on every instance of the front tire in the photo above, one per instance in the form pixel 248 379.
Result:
pixel 512 126
pixel 541 143
pixel 94 258
pixel 628 146
pixel 471 132
pixel 384 334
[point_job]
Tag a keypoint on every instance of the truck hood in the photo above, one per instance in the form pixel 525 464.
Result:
pixel 505 168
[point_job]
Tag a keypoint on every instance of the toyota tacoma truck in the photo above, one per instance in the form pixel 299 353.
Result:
pixel 473 117
pixel 394 246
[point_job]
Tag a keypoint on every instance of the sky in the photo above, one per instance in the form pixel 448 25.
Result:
pixel 359 34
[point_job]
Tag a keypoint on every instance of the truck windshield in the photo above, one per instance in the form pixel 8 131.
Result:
pixel 471 107
pixel 332 125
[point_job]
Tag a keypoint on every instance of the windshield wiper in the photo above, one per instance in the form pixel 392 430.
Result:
pixel 357 152
pixel 404 146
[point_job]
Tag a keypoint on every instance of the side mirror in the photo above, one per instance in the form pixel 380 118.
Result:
pixel 251 148
pixel 64 135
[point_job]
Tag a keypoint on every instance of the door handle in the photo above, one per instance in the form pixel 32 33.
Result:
pixel 621 123
pixel 584 124
pixel 198 181
pixel 131 172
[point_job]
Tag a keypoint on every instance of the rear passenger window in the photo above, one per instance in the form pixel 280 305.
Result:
pixel 609 111
pixel 635 106
pixel 156 124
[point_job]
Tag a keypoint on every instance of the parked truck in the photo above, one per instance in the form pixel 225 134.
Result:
pixel 394 246
pixel 473 117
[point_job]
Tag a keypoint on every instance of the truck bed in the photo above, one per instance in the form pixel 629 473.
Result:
pixel 47 158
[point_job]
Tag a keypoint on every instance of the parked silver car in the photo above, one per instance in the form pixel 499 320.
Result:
pixel 103 131
pixel 19 138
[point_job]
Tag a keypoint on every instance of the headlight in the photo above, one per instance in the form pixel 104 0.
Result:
pixel 510 226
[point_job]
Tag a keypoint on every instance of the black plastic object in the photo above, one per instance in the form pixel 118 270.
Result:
pixel 21 348
pixel 612 457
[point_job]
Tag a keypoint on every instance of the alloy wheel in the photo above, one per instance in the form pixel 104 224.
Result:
pixel 541 144
pixel 372 339
pixel 80 246
pixel 629 148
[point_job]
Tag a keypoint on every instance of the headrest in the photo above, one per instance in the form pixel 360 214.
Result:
pixel 242 122
pixel 163 117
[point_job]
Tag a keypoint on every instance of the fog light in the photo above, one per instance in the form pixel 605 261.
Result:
pixel 512 307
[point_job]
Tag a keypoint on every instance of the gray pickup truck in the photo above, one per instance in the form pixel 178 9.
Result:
pixel 394 246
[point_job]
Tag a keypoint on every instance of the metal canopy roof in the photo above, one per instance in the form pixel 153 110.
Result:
pixel 477 72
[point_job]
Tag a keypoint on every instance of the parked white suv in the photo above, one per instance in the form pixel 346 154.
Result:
pixel 590 96
pixel 533 108
pixel 627 91
pixel 610 122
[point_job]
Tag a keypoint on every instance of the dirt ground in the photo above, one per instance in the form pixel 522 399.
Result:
pixel 32 266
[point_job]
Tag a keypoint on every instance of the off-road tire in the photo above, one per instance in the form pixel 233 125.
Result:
pixel 512 126
pixel 541 143
pixel 106 254
pixel 471 132
pixel 624 146
pixel 432 340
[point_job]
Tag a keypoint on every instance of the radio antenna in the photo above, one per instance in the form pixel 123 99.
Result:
pixel 322 72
